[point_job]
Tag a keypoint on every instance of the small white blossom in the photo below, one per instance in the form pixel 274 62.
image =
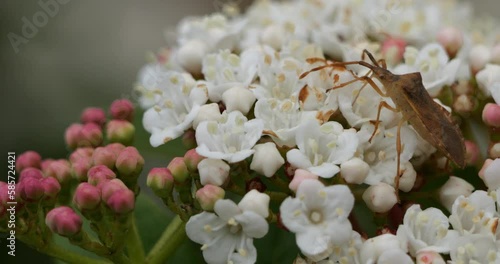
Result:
pixel 429 257
pixel 347 252
pixel 238 99
pixel 266 159
pixel 354 170
pixel 213 171
pixel 474 214
pixel 256 202
pixel 475 249
pixel 322 148
pixel 423 229
pixel 479 56
pixel 374 248
pixel 208 112
pixel 489 81
pixel 434 65
pixel 231 138
pixel 177 104
pixel 227 236
pixel 318 217
pixel 281 119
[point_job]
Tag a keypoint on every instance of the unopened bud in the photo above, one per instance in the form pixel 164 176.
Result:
pixel 28 159
pixel 266 159
pixel 208 195
pixel 376 246
pixel 79 169
pixel 213 171
pixel 452 189
pixel 490 173
pixel 393 50
pixel 93 115
pixel 104 156
pixel 429 257
pixel 129 163
pixel 178 168
pixel 451 39
pixel 479 56
pixel 122 109
pixel 256 202
pixel 99 174
pixel 59 169
pixel 87 196
pixel 161 181
pixel 63 221
pixel 192 159
pixel 73 135
pixel 189 139
pixel 51 187
pixel 354 170
pixel 81 154
pixel 121 201
pixel 190 55
pixel 491 115
pixel 494 150
pixel 238 99
pixel 91 135
pixel 111 186
pixel 208 112
pixel 120 131
pixel 31 189
pixel 471 152
pixel 30 173
pixel 299 177
pixel 408 178
pixel 380 198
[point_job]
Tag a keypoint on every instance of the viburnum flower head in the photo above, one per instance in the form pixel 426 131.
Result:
pixel 318 217
pixel 321 148
pixel 227 235
pixel 179 101
pixel 231 138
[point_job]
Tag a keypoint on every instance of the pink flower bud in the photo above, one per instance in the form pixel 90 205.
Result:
pixel 208 195
pixel 51 187
pixel 122 109
pixel 299 177
pixel 111 186
pixel 30 173
pixel 73 135
pixel 380 198
pixel 393 49
pixel 63 221
pixel 59 169
pixel 31 189
pixel 104 156
pixel 29 159
pixel 122 201
pixel 116 148
pixel 452 189
pixel 120 131
pixel 161 181
pixel 129 163
pixel 429 257
pixel 451 39
pixel 93 115
pixel 191 159
pixel 99 174
pixel 87 196
pixel 91 135
pixel 189 139
pixel 80 168
pixel 471 152
pixel 179 170
pixel 81 153
pixel 491 115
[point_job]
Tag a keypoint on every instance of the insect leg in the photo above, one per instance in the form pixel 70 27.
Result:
pixel 377 121
pixel 399 150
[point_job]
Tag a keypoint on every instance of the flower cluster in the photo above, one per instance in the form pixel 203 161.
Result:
pixel 270 117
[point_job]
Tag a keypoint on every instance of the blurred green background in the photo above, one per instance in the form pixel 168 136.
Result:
pixel 87 54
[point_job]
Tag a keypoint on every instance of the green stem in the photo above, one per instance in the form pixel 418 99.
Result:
pixel 169 241
pixel 277 196
pixel 68 256
pixel 134 244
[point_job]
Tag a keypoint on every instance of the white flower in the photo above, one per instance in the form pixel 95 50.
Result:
pixel 423 229
pixel 213 171
pixel 429 257
pixel 225 70
pixel 347 252
pixel 227 236
pixel 474 214
pixel 318 217
pixel 475 249
pixel 394 256
pixel 381 154
pixel 231 138
pixel 489 81
pixel 207 112
pixel 380 198
pixel 266 159
pixel 281 119
pixel 374 248
pixel 177 104
pixel 434 65
pixel 452 189
pixel 322 148
pixel 354 170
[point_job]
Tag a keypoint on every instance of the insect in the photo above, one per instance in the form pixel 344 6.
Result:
pixel 431 121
